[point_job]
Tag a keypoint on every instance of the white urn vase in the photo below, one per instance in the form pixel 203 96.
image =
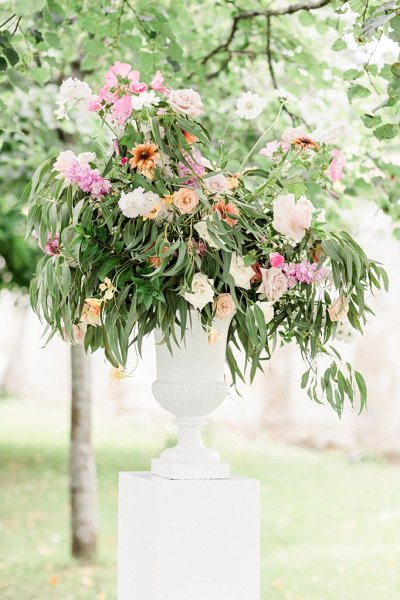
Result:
pixel 190 384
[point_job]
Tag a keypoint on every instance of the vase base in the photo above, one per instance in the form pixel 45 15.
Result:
pixel 190 470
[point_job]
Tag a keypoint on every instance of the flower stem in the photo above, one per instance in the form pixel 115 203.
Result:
pixel 262 136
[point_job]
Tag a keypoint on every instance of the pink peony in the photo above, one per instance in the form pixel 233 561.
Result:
pixel 274 284
pixel 122 109
pixel 337 164
pixel 276 259
pixel 292 218
pixel 158 83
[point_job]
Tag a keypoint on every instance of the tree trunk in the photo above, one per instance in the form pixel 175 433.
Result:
pixel 83 484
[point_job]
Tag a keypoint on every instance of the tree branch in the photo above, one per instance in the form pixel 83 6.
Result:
pixel 295 119
pixel 268 12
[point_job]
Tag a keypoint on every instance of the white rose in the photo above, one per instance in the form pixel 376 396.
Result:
pixel 240 273
pixel 202 292
pixel 217 183
pixel 186 102
pixel 201 228
pixel 292 218
pixel 274 283
pixel 267 309
pixel 138 202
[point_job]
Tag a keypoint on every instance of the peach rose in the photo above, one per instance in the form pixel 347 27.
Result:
pixel 338 310
pixel 274 283
pixel 186 200
pixel 292 218
pixel 224 306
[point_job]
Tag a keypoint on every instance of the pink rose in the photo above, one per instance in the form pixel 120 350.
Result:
pixel 276 259
pixel 292 218
pixel 274 284
pixel 186 102
pixel 337 165
pixel 224 306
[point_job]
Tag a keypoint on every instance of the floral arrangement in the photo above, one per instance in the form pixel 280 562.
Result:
pixel 138 237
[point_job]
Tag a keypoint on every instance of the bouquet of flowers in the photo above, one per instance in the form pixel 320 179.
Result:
pixel 138 238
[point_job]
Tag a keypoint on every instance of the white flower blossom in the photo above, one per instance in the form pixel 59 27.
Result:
pixel 201 291
pixel 285 96
pixel 73 93
pixel 201 228
pixel 267 309
pixel 240 273
pixel 145 99
pixel 249 106
pixel 138 202
pixel 344 333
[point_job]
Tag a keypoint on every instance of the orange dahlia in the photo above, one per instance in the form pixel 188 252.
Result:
pixel 144 157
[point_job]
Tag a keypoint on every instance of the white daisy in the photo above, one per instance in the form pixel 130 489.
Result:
pixel 249 106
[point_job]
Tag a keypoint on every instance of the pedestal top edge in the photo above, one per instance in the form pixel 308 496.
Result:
pixel 147 476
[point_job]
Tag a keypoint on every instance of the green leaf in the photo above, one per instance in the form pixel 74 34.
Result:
pixel 339 45
pixel 357 91
pixel 386 132
pixel 395 68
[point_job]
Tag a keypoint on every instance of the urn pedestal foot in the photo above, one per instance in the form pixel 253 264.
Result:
pixel 190 459
pixel 188 540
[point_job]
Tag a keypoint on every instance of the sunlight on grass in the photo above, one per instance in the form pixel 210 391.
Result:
pixel 330 529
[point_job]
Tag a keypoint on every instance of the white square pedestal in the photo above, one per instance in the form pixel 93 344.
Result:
pixel 188 539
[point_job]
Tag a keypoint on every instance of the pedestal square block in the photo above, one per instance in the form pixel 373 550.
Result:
pixel 188 539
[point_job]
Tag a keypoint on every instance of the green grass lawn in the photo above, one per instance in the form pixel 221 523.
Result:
pixel 330 529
